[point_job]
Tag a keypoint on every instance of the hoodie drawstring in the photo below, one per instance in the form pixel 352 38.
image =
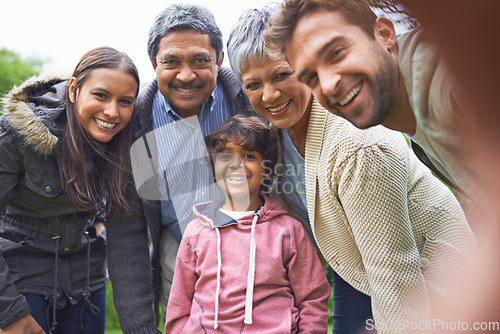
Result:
pixel 250 279
pixel 251 273
pixel 56 275
pixel 86 294
pixel 219 266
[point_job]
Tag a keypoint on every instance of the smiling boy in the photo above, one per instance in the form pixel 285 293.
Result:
pixel 244 265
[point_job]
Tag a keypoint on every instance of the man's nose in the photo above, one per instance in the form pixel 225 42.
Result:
pixel 329 82
pixel 186 73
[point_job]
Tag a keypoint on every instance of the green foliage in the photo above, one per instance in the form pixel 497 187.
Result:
pixel 14 70
pixel 111 317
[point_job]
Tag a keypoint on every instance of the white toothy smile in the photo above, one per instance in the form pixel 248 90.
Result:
pixel 279 108
pixel 350 96
pixel 236 178
pixel 104 124
pixel 182 90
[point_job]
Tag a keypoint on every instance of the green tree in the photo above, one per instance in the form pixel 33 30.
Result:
pixel 14 69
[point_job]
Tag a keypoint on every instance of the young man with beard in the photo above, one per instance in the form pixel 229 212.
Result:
pixel 358 68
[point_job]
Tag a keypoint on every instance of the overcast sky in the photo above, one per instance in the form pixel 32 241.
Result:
pixel 61 31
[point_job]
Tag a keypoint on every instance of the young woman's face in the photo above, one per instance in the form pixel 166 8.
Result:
pixel 104 102
pixel 239 173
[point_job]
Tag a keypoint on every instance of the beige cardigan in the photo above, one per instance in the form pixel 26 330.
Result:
pixel 383 222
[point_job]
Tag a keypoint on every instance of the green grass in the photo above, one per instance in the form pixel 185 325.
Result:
pixel 113 331
pixel 112 324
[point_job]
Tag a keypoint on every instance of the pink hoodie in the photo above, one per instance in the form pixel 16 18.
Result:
pixel 226 283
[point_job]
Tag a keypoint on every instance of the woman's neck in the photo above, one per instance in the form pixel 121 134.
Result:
pixel 298 132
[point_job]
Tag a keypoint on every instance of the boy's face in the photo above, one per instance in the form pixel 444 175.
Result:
pixel 239 173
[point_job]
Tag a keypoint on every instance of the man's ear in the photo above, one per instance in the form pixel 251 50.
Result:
pixel 385 33
pixel 219 64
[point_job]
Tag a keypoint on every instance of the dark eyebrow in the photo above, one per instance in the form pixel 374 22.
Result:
pixel 99 89
pixel 201 54
pixel 321 52
pixel 108 92
pixel 274 72
pixel 128 97
pixel 167 56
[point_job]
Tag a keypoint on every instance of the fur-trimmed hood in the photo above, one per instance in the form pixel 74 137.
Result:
pixel 32 108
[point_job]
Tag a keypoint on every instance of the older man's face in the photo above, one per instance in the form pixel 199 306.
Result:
pixel 187 70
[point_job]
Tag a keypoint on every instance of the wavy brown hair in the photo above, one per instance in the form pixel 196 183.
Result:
pixel 94 175
pixel 357 12
pixel 251 132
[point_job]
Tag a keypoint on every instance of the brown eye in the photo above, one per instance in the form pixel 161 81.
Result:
pixel 336 53
pixel 100 96
pixel 283 75
pixel 311 80
pixel 252 86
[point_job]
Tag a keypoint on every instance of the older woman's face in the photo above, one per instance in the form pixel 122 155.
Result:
pixel 275 93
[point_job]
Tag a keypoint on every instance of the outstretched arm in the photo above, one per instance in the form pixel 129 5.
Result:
pixel 468 38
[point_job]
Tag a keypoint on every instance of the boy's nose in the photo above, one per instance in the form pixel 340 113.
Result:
pixel 237 163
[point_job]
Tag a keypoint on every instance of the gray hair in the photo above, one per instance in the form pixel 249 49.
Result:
pixel 245 45
pixel 180 16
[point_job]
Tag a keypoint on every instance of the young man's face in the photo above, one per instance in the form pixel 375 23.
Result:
pixel 239 173
pixel 187 70
pixel 351 74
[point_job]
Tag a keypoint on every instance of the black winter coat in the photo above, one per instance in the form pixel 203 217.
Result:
pixel 37 219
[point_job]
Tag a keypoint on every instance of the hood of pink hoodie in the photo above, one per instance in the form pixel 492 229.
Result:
pixel 210 215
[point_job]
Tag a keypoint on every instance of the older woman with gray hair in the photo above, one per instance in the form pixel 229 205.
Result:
pixel 395 236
